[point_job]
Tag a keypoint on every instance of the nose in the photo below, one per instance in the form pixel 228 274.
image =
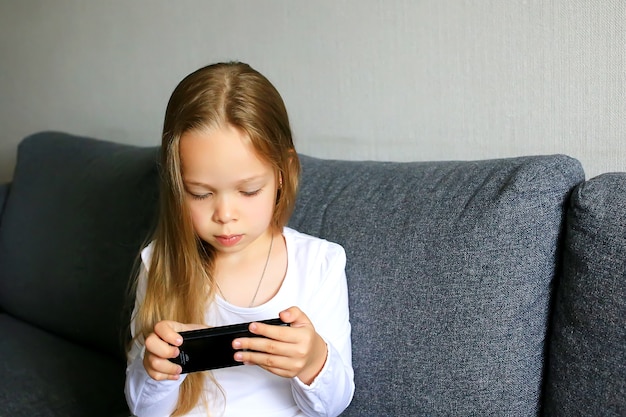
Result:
pixel 224 210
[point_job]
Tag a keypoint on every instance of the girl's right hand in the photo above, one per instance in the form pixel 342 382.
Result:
pixel 162 345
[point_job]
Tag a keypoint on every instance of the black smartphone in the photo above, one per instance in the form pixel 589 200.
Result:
pixel 212 348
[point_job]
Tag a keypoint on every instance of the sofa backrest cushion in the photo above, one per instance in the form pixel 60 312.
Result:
pixel 72 227
pixel 587 362
pixel 450 269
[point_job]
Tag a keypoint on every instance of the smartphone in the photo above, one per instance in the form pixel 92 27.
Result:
pixel 212 348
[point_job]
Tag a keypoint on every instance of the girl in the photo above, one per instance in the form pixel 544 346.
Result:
pixel 222 254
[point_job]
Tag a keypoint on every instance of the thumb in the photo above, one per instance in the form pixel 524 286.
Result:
pixel 295 317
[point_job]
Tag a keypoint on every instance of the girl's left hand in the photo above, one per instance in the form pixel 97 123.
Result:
pixel 287 351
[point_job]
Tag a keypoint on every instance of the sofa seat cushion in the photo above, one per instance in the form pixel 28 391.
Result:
pixel 587 367
pixel 44 375
pixel 450 268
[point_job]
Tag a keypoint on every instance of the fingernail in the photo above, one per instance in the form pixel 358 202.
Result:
pixel 253 327
pixel 237 344
pixel 238 357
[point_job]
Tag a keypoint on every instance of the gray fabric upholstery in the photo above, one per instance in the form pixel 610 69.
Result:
pixel 46 376
pixel 70 234
pixel 587 371
pixel 78 212
pixel 4 192
pixel 450 270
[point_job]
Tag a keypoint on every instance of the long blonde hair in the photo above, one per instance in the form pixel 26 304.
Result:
pixel 180 277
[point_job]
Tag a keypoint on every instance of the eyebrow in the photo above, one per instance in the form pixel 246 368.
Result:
pixel 240 182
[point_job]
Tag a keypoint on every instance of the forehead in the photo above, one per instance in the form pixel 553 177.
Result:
pixel 220 155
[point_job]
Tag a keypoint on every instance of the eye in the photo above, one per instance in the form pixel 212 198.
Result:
pixel 199 196
pixel 251 193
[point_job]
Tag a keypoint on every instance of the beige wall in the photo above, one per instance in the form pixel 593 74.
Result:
pixel 362 79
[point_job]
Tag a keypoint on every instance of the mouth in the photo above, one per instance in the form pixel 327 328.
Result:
pixel 228 240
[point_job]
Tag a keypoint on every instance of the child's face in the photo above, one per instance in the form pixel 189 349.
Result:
pixel 230 192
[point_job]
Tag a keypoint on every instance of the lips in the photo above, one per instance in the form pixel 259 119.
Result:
pixel 228 240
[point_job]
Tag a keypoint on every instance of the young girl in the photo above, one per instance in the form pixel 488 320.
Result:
pixel 222 254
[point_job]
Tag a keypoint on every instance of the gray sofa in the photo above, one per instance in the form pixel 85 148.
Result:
pixel 477 288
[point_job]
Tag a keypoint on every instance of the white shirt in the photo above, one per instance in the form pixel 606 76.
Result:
pixel 316 283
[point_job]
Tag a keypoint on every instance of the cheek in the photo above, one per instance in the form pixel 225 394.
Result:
pixel 198 215
pixel 266 209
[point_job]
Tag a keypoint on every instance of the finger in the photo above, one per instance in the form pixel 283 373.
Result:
pixel 168 330
pixel 298 350
pixel 160 348
pixel 163 377
pixel 272 363
pixel 282 333
pixel 295 317
pixel 159 368
pixel 265 345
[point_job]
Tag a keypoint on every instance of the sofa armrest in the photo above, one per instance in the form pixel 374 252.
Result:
pixel 4 193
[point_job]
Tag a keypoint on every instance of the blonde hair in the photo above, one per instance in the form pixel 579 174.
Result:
pixel 180 278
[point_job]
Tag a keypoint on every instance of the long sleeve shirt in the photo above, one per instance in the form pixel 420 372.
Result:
pixel 315 281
